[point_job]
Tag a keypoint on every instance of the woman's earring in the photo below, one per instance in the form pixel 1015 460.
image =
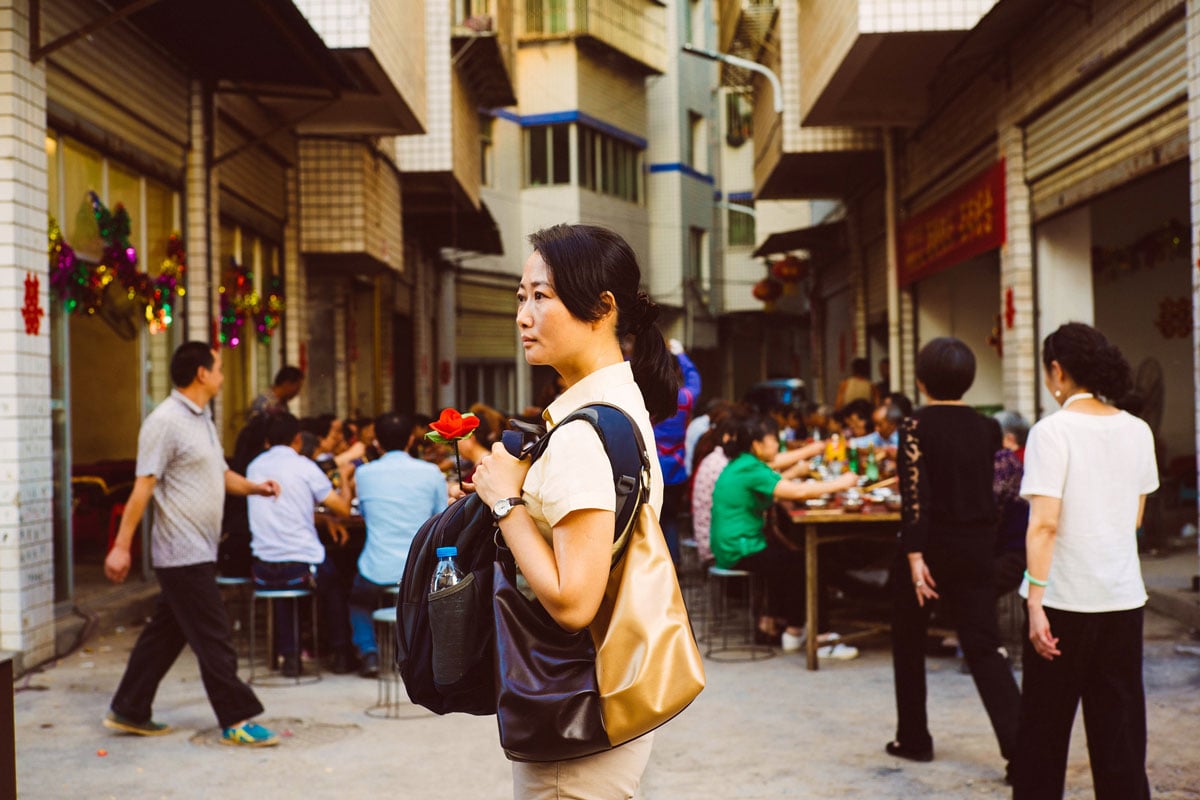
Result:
pixel 1057 393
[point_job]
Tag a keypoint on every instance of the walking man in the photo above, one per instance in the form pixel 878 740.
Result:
pixel 181 467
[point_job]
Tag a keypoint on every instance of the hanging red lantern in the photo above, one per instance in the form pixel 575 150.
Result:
pixel 767 290
pixel 790 269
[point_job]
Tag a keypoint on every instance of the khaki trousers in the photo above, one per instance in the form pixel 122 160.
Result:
pixel 611 775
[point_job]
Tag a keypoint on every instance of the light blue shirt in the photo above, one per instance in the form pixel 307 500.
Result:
pixel 282 528
pixel 397 494
pixel 874 441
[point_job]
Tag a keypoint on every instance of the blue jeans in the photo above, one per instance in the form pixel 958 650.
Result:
pixel 365 597
pixel 298 575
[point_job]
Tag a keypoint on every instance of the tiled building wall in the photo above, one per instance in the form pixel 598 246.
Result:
pixel 466 137
pixel 880 16
pixel 432 152
pixel 332 196
pixel 611 95
pixel 196 201
pixel 384 232
pixel 26 491
pixel 547 78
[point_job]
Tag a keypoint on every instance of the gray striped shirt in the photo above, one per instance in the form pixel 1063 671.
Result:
pixel 178 445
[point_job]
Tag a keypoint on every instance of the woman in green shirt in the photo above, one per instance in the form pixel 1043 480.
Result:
pixel 746 489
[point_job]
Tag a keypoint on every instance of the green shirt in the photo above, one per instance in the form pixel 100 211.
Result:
pixel 742 495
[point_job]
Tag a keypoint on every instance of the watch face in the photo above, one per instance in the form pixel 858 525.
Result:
pixel 501 508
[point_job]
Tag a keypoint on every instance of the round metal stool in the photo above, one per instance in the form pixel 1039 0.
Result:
pixel 732 623
pixel 293 595
pixel 387 685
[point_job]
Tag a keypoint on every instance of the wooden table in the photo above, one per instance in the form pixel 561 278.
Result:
pixel 822 526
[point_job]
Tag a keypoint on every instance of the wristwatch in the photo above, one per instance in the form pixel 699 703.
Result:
pixel 504 507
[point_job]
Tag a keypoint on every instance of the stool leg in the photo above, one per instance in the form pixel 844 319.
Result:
pixel 253 639
pixel 296 636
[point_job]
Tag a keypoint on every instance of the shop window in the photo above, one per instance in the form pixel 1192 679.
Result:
pixel 546 16
pixel 547 155
pixel 740 225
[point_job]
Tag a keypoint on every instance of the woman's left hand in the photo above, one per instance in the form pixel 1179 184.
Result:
pixel 499 475
pixel 922 579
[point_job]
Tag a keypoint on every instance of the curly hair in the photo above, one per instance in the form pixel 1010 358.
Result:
pixel 1089 359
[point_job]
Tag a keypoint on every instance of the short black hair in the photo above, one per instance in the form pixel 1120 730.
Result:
pixel 282 429
pixel 946 366
pixel 863 408
pixel 393 430
pixel 901 401
pixel 189 357
pixel 860 367
pixel 288 374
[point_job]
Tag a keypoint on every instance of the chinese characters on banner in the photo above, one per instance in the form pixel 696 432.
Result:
pixel 963 224
pixel 32 311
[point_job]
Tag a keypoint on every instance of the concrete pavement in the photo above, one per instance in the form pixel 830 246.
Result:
pixel 760 730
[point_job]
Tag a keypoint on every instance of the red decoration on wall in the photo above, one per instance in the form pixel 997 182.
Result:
pixel 1174 319
pixel 790 269
pixel 1010 309
pixel 444 373
pixel 304 357
pixel 32 311
pixel 995 339
pixel 767 290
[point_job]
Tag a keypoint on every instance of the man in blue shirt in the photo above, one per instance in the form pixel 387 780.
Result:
pixel 887 419
pixel 397 494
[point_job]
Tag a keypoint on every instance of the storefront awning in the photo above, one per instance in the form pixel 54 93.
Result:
pixel 826 237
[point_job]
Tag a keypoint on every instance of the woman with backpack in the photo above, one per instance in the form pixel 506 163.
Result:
pixel 578 300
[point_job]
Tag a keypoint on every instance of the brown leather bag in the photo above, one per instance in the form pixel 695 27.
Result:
pixel 564 695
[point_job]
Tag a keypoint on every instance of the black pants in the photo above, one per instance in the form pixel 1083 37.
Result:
pixel 674 503
pixel 969 596
pixel 1101 664
pixel 189 611
pixel 298 575
pixel 784 572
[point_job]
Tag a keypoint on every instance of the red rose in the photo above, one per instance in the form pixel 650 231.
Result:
pixel 452 425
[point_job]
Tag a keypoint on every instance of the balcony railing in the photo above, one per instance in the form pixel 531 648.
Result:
pixel 482 43
pixel 633 28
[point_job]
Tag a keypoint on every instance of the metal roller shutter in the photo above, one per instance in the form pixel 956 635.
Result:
pixel 486 321
pixel 1129 120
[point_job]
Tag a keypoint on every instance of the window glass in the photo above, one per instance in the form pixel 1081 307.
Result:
pixel 539 167
pixel 741 228
pixel 561 153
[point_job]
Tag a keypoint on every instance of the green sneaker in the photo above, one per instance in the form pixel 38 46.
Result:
pixel 117 722
pixel 249 734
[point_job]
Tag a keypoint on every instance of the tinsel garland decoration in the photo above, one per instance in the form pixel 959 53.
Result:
pixel 240 301
pixel 1155 247
pixel 79 286
pixel 160 308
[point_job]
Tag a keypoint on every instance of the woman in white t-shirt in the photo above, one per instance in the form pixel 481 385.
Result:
pixel 578 299
pixel 1088 469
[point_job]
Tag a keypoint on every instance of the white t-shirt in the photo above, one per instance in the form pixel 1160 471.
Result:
pixel 1098 466
pixel 283 528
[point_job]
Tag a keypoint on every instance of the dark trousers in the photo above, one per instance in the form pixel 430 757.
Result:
pixel 1101 664
pixel 674 503
pixel 969 596
pixel 785 576
pixel 298 575
pixel 190 611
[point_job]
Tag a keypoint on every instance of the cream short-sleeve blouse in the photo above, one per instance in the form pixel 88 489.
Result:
pixel 574 472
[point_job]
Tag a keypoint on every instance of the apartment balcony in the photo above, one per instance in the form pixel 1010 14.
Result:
pixel 481 45
pixel 795 161
pixel 871 62
pixel 633 31
pixel 743 30
pixel 384 53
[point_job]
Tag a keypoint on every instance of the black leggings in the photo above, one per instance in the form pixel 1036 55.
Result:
pixel 784 572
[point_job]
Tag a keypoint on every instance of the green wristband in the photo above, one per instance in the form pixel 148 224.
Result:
pixel 1035 581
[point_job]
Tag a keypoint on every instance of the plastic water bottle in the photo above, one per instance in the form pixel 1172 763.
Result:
pixel 446 573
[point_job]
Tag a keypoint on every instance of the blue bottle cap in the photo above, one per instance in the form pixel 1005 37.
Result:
pixel 444 552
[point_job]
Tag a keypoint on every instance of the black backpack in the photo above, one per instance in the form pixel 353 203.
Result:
pixel 467 682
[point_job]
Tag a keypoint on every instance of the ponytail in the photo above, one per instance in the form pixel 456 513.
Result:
pixel 587 261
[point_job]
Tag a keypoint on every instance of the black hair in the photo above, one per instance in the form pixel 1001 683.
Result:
pixel 863 408
pixel 901 401
pixel 288 374
pixel 894 414
pixel 282 429
pixel 946 366
pixel 749 430
pixel 584 262
pixel 308 443
pixel 393 430
pixel 1089 359
pixel 187 360
pixel 860 367
pixel 250 441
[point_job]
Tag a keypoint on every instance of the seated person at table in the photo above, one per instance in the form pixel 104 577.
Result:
pixel 288 554
pixel 746 489
pixel 856 416
pixel 887 419
pixel 396 493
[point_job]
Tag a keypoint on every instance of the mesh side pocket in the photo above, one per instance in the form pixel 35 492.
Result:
pixel 455 628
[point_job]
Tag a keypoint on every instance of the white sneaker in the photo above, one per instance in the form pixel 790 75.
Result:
pixel 792 642
pixel 838 652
